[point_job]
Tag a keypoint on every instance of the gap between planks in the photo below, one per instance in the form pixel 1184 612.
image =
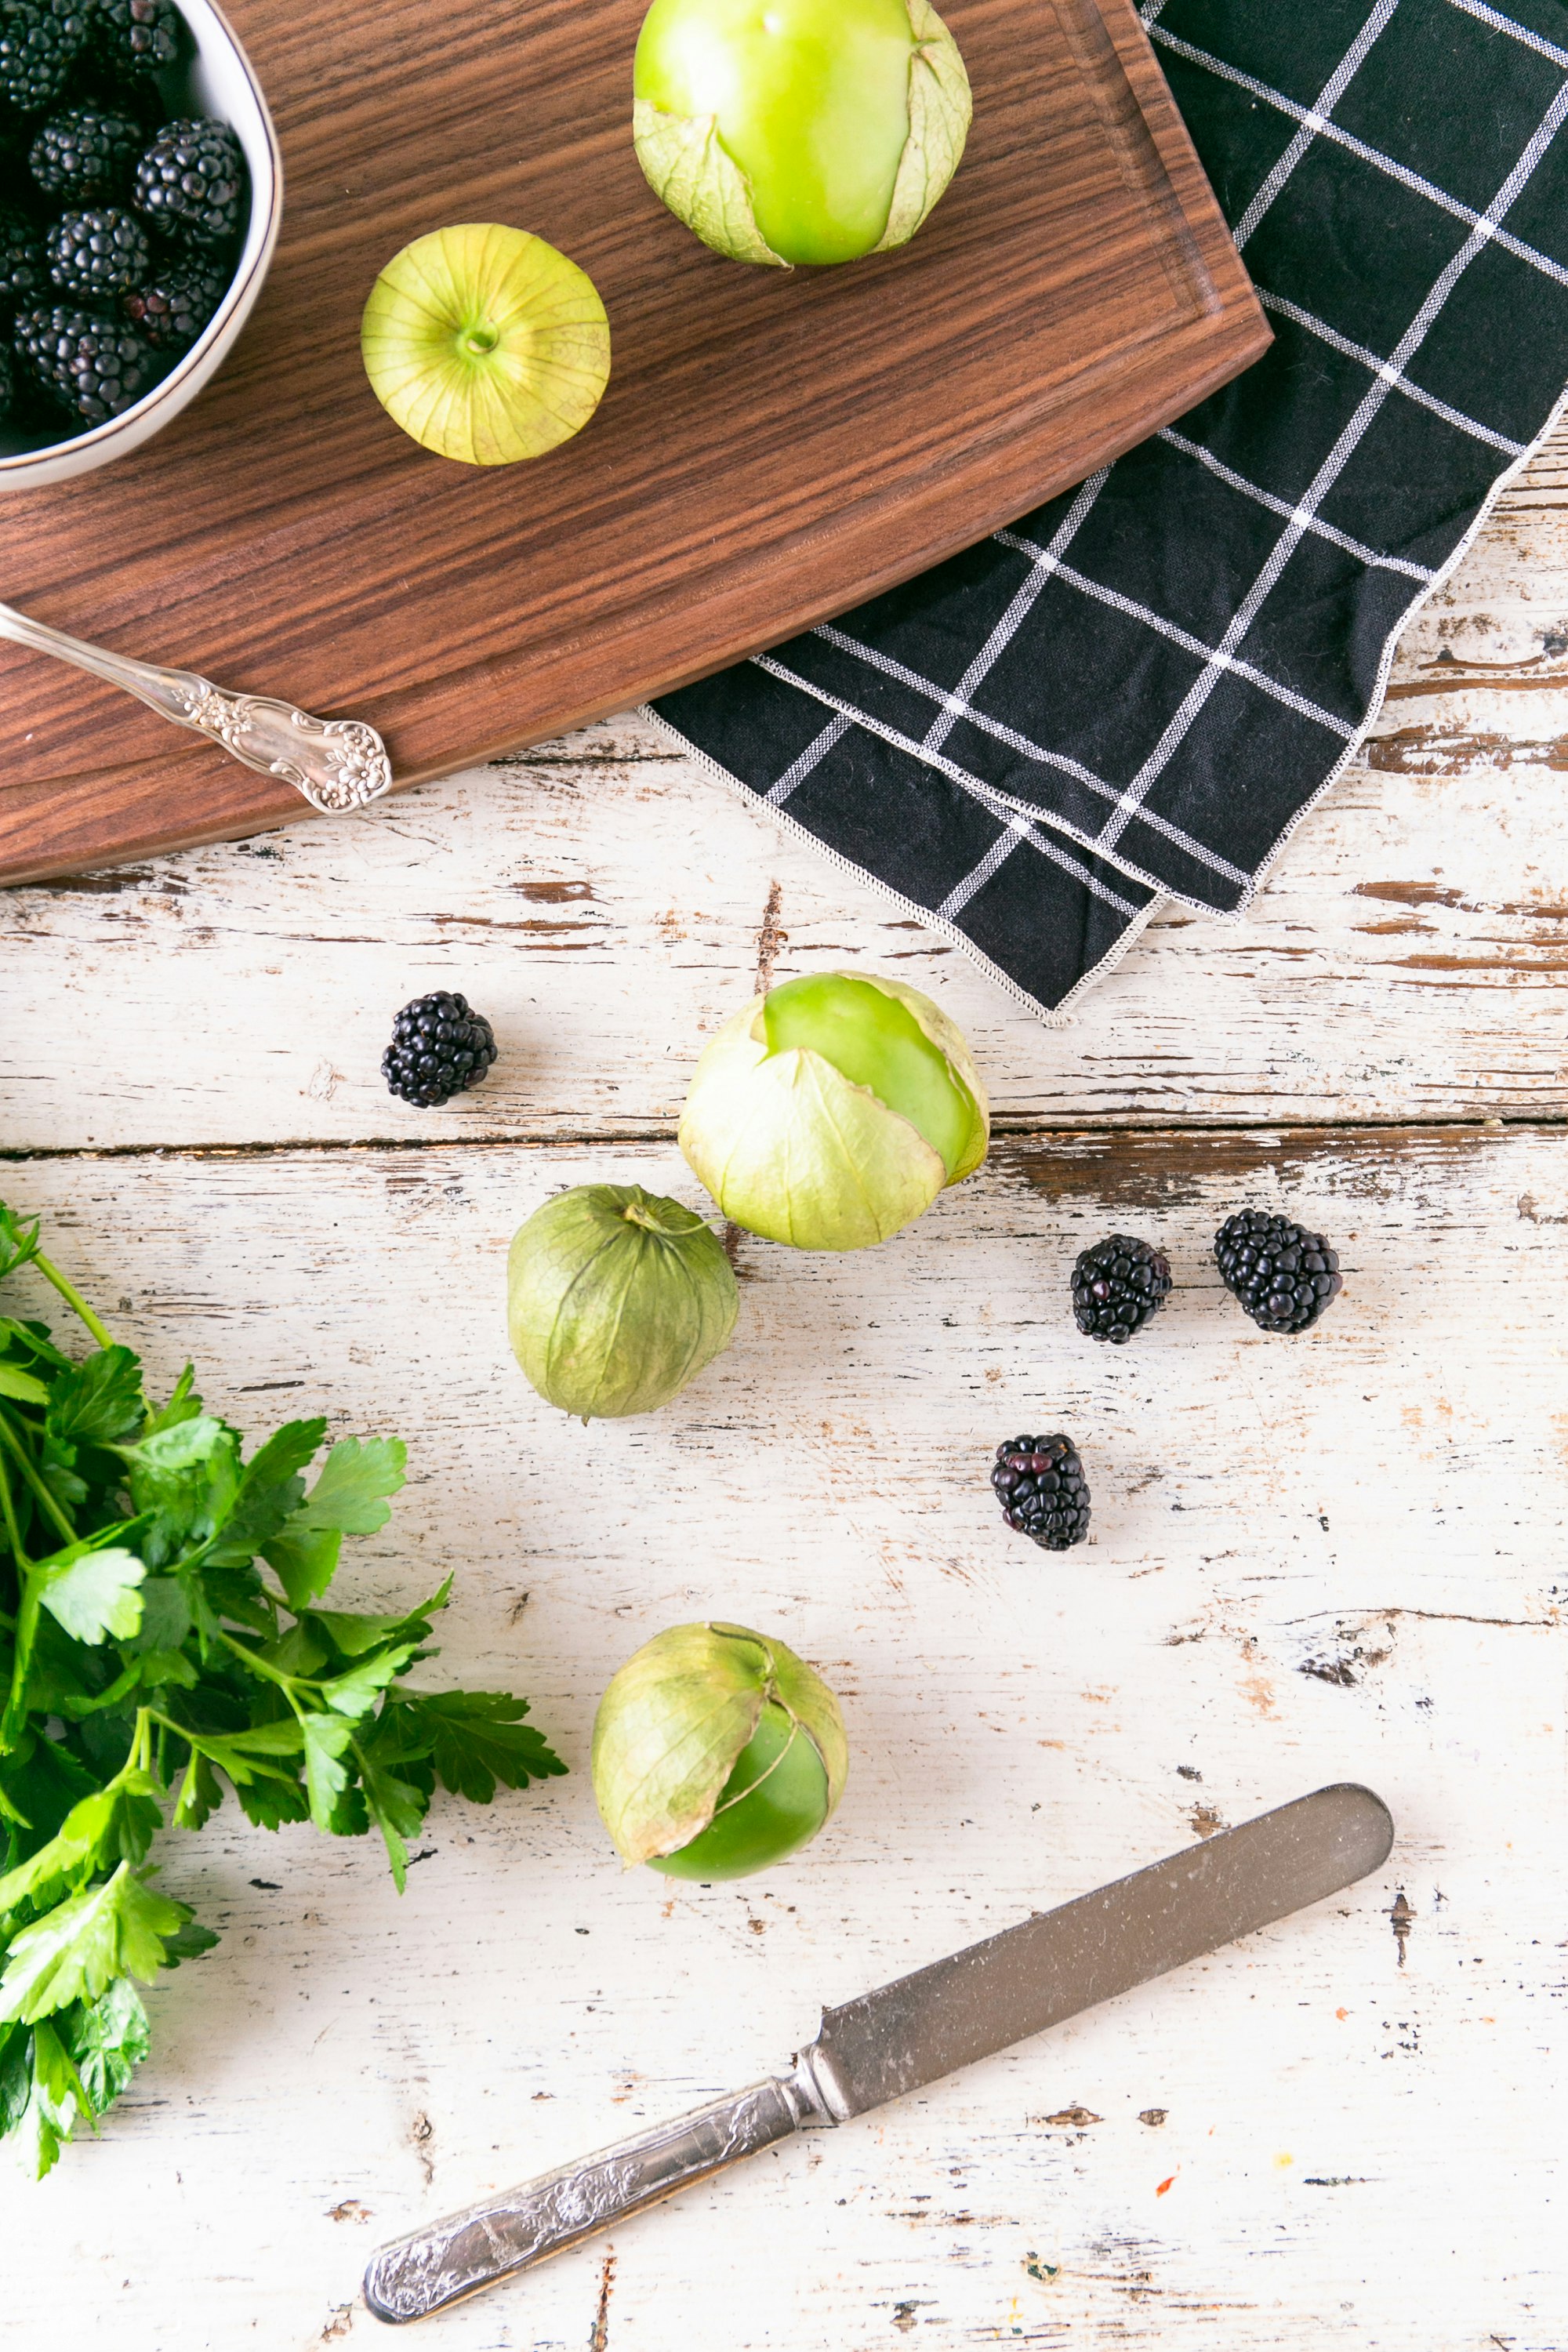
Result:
pixel 616 1138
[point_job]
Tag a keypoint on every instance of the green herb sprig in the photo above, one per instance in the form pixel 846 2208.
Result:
pixel 163 1632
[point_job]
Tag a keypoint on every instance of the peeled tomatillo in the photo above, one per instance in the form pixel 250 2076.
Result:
pixel 799 131
pixel 831 1111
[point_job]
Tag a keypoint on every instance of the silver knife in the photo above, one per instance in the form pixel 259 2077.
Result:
pixel 911 2033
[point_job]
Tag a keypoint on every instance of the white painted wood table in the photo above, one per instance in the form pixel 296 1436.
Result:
pixel 1341 1556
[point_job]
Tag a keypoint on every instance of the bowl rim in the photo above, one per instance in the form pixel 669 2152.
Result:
pixel 242 292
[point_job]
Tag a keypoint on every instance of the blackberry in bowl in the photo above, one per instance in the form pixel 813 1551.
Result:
pixel 190 184
pixel 95 366
pixel 97 255
pixel 85 155
pixel 174 303
pixel 140 203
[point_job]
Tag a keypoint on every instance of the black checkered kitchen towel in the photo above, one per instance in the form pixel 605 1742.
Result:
pixel 1140 688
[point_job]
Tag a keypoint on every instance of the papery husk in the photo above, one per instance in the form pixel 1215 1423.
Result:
pixel 942 107
pixel 794 1151
pixel 690 170
pixel 675 1717
pixel 539 386
pixel 610 1315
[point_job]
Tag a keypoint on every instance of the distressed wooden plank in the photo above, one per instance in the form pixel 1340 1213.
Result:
pixel 604 907
pixel 605 903
pixel 1337 1556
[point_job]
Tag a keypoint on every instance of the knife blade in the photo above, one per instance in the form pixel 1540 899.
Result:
pixel 912 2031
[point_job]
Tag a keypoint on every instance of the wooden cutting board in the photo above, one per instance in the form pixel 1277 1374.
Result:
pixel 771 449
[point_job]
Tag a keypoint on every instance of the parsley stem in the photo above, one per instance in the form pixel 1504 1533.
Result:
pixel 287 1684
pixel 8 1509
pixel 15 1717
pixel 24 1463
pixel 72 1297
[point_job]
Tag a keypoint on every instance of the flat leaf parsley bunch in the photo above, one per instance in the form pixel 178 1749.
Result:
pixel 161 1633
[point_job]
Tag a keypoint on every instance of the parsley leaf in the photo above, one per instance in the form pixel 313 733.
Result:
pixel 353 1636
pixel 98 1401
pixel 355 1693
pixel 107 2039
pixel 74 1951
pixel 348 1498
pixel 327 1739
pixel 93 1593
pixel 478 1737
pixel 269 1492
pixel 113 1824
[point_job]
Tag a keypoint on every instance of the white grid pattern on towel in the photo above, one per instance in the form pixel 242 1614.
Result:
pixel 1522 33
pixel 956 705
pixel 1320 124
pixel 1322 106
pixel 1390 373
pixel 1188 843
pixel 1335 462
pixel 815 751
pixel 1135 611
pixel 1371 556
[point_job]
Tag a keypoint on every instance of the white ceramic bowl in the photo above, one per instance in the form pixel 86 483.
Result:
pixel 223 84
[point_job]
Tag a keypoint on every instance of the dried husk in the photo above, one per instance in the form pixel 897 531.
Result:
pixel 677 1715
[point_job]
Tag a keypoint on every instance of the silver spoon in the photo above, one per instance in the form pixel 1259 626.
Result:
pixel 337 763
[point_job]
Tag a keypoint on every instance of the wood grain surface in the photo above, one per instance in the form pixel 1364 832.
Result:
pixel 1339 1555
pixel 772 446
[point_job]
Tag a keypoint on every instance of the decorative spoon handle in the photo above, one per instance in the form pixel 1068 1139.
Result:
pixel 337 763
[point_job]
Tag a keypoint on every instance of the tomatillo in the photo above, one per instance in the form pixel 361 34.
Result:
pixel 717 1752
pixel 799 131
pixel 831 1112
pixel 616 1298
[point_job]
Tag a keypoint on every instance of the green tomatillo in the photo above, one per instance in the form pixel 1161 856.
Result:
pixel 799 131
pixel 615 1299
pixel 831 1112
pixel 717 1752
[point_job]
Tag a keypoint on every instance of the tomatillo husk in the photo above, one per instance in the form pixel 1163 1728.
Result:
pixel 615 1299
pixel 717 1751
pixel 830 1113
pixel 485 343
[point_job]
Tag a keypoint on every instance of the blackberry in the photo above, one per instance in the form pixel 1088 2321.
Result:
pixel 1283 1275
pixel 8 383
pixel 173 305
pixel 40 40
pixel 130 40
pixel 1041 1488
pixel 97 365
pixel 440 1046
pixel 24 273
pixel 98 254
pixel 83 154
pixel 191 183
pixel 1117 1286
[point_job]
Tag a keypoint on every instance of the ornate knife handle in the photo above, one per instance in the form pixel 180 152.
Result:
pixel 435 2265
pixel 336 763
